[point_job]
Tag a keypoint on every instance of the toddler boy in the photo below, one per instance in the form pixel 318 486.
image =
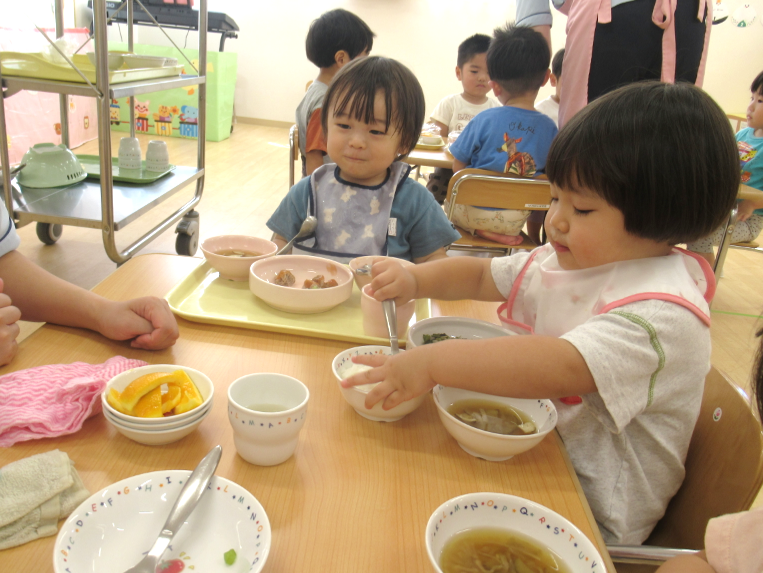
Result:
pixel 455 111
pixel 550 105
pixel 514 138
pixel 333 40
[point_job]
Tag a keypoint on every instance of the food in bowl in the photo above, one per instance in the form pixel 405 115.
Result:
pixel 238 253
pixel 493 417
pixel 232 255
pixel 439 337
pixel 319 282
pixel 453 326
pixel 499 551
pixel 143 397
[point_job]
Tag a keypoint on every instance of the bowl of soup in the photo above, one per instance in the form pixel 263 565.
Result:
pixel 439 328
pixel 494 428
pixel 504 533
pixel 232 255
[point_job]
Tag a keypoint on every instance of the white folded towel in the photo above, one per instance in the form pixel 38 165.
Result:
pixel 34 494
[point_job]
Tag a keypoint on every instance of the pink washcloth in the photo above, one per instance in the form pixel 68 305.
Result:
pixel 53 400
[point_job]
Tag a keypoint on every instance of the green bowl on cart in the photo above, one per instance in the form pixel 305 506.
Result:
pixel 49 165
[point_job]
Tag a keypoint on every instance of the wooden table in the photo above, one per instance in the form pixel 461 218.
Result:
pixel 357 494
pixel 430 158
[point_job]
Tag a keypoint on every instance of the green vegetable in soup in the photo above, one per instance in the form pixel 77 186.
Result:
pixel 439 337
pixel 230 557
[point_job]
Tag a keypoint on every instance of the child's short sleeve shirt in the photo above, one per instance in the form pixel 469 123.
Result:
pixel 751 159
pixel 9 239
pixel 508 140
pixel 421 226
pixel 455 112
pixel 628 441
pixel 732 542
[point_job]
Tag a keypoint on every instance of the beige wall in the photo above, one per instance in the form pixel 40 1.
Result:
pixel 423 34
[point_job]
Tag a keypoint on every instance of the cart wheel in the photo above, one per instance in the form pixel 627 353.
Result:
pixel 186 244
pixel 49 233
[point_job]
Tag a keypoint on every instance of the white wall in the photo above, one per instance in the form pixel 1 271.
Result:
pixel 423 34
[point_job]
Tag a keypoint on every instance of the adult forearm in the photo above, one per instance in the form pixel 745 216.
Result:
pixel 43 297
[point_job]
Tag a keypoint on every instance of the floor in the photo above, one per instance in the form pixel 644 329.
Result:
pixel 247 175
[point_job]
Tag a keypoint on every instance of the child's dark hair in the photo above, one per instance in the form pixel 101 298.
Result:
pixel 518 58
pixel 473 45
pixel 556 63
pixel 353 91
pixel 337 30
pixel 663 154
pixel 757 84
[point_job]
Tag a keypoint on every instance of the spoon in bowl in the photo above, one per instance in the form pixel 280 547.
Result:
pixel 308 226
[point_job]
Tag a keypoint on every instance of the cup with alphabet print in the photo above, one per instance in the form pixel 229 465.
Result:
pixel 267 412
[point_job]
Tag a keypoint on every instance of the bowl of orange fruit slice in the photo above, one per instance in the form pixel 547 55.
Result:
pixel 157 404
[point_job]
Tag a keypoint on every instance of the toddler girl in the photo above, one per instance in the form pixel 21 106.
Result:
pixel 617 317
pixel 364 202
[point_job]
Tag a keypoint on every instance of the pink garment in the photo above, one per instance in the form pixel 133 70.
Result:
pixel 582 16
pixel 733 542
pixel 54 400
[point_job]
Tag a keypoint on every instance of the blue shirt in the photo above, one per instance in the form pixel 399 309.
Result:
pixel 506 139
pixel 421 228
pixel 751 159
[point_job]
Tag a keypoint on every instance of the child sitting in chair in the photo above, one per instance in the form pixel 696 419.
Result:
pixel 454 112
pixel 334 40
pixel 514 138
pixel 364 202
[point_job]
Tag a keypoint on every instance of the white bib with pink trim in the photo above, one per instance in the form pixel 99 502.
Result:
pixel 548 300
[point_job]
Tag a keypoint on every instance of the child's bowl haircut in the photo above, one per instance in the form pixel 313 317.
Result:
pixel 556 63
pixel 757 84
pixel 663 154
pixel 334 31
pixel 353 91
pixel 518 59
pixel 473 45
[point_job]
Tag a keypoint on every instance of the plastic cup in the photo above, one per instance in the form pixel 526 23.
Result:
pixel 374 322
pixel 157 156
pixel 129 153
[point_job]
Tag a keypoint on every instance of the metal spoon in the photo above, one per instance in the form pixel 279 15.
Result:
pixel 364 270
pixel 390 314
pixel 308 226
pixel 189 496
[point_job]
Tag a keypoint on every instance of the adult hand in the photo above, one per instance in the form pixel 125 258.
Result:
pixel 9 330
pixel 744 210
pixel 401 377
pixel 392 280
pixel 148 320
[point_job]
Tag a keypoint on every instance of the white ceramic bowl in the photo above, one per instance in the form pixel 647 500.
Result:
pixel 356 398
pixel 488 445
pixel 152 437
pixel 132 511
pixel 168 424
pixel 296 299
pixel 363 280
pixel 121 381
pixel 511 513
pixel 115 60
pixel 469 328
pixel 235 268
pixel 431 140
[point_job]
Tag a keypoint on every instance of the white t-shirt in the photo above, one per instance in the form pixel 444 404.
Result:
pixel 549 107
pixel 9 239
pixel 455 112
pixel 628 441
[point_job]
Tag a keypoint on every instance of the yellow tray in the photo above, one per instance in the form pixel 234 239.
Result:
pixel 204 297
pixel 430 146
pixel 33 65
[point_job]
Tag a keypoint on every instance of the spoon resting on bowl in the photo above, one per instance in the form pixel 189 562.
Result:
pixel 308 226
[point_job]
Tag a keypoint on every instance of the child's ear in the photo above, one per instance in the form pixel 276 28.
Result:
pixel 553 80
pixel 545 80
pixel 497 89
pixel 458 73
pixel 342 58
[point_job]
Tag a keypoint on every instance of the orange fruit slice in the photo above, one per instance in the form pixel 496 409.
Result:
pixel 191 396
pixel 143 385
pixel 113 399
pixel 171 398
pixel 150 405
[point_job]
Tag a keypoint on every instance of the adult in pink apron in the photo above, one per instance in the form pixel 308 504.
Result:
pixel 609 46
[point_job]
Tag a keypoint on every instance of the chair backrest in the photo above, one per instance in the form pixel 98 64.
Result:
pixel 483 188
pixel 724 466
pixel 294 156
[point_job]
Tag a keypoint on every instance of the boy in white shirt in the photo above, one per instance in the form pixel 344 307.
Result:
pixel 455 111
pixel 550 105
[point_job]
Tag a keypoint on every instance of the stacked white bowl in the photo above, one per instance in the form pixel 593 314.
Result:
pixel 158 431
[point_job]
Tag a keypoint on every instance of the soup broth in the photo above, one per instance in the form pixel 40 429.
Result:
pixel 493 417
pixel 238 253
pixel 498 551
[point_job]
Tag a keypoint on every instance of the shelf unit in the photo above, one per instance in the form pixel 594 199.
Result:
pixel 103 204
